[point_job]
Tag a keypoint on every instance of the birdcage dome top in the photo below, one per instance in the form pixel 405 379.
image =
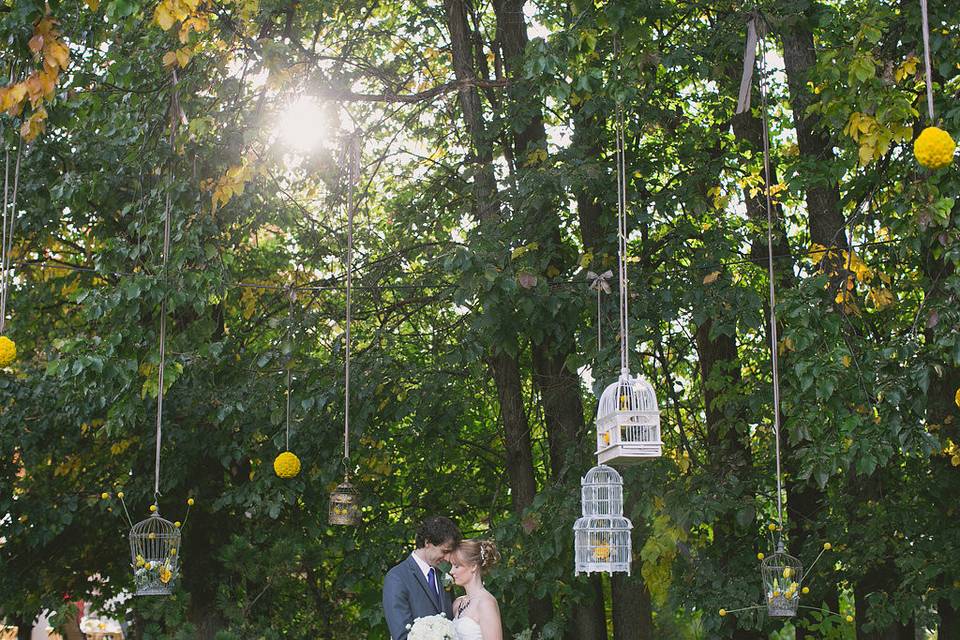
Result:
pixel 628 393
pixel 154 524
pixel 602 475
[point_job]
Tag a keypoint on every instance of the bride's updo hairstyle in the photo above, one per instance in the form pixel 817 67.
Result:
pixel 479 553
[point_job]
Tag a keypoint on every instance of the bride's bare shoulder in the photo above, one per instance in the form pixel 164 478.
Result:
pixel 488 603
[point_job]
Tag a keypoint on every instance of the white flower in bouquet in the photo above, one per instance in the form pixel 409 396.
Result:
pixel 432 628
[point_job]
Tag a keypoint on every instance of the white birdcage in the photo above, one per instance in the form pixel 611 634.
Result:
pixel 782 577
pixel 628 422
pixel 155 555
pixel 602 535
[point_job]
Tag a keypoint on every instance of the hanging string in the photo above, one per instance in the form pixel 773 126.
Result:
pixel 353 163
pixel 9 219
pixel 174 108
pixel 622 227
pixel 926 57
pixel 770 276
pixel 599 282
pixel 292 295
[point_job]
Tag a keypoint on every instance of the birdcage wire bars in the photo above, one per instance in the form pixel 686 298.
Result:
pixel 345 505
pixel 602 534
pixel 782 576
pixel 155 555
pixel 628 422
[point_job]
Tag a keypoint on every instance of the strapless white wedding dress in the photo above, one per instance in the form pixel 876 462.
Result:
pixel 467 629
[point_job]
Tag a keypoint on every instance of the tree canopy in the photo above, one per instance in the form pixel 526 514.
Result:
pixel 486 195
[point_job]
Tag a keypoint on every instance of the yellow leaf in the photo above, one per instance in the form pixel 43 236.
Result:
pixel 817 252
pixel 34 125
pixel 36 43
pixel 56 55
pixel 552 271
pixel 585 260
pixel 93 4
pixel 183 56
pixel 711 277
pixel 786 345
pixel 163 17
pixel 846 360
pixel 881 297
pixel 169 58
pixel 519 251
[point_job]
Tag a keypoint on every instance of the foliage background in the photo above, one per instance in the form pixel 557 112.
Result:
pixel 487 194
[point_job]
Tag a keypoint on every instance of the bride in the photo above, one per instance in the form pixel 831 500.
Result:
pixel 476 614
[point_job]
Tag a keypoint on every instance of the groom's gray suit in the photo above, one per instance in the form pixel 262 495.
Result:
pixel 407 596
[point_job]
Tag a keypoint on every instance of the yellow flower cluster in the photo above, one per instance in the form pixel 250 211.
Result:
pixel 602 552
pixel 934 148
pixel 8 351
pixel 286 465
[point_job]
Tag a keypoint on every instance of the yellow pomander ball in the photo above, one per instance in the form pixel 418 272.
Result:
pixel 760 556
pixel 934 148
pixel 286 465
pixel 723 612
pixel 956 397
pixel 8 351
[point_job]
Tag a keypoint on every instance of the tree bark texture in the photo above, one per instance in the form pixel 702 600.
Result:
pixel 825 217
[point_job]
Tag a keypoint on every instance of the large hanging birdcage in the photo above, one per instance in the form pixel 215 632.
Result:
pixel 155 555
pixel 782 576
pixel 628 422
pixel 602 535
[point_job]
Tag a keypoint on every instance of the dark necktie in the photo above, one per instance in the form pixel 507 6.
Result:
pixel 432 579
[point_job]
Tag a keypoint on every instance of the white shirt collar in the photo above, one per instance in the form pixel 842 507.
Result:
pixel 424 567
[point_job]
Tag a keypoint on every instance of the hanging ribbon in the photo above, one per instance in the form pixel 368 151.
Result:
pixel 600 285
pixel 749 61
pixel 353 163
pixel 168 206
pixel 292 297
pixel 774 341
pixel 622 230
pixel 926 57
pixel 6 240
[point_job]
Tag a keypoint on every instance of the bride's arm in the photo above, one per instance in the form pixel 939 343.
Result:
pixel 490 626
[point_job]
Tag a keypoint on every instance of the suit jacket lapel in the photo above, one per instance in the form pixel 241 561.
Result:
pixel 422 581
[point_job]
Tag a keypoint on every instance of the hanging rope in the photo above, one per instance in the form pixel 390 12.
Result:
pixel 174 108
pixel 600 284
pixel 926 57
pixel 292 296
pixel 770 276
pixel 622 229
pixel 353 164
pixel 9 219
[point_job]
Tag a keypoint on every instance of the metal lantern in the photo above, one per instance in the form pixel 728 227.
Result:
pixel 782 576
pixel 345 505
pixel 155 556
pixel 602 535
pixel 628 422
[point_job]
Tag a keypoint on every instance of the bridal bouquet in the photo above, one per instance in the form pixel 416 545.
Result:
pixel 432 628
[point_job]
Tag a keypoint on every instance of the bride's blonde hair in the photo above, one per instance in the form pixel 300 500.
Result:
pixel 479 553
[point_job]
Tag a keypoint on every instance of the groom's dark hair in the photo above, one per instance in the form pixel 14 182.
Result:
pixel 436 530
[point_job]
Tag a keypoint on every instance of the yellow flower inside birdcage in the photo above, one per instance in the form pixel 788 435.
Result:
pixel 934 148
pixel 165 574
pixel 602 552
pixel 8 351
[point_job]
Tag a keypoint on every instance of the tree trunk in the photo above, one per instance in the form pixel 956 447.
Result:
pixel 825 218
pixel 632 609
pixel 559 387
pixel 487 207
pixel 24 628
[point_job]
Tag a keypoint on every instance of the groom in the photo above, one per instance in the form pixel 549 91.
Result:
pixel 412 589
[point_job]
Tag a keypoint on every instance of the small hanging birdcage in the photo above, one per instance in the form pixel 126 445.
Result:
pixel 628 422
pixel 602 535
pixel 345 505
pixel 782 576
pixel 155 555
